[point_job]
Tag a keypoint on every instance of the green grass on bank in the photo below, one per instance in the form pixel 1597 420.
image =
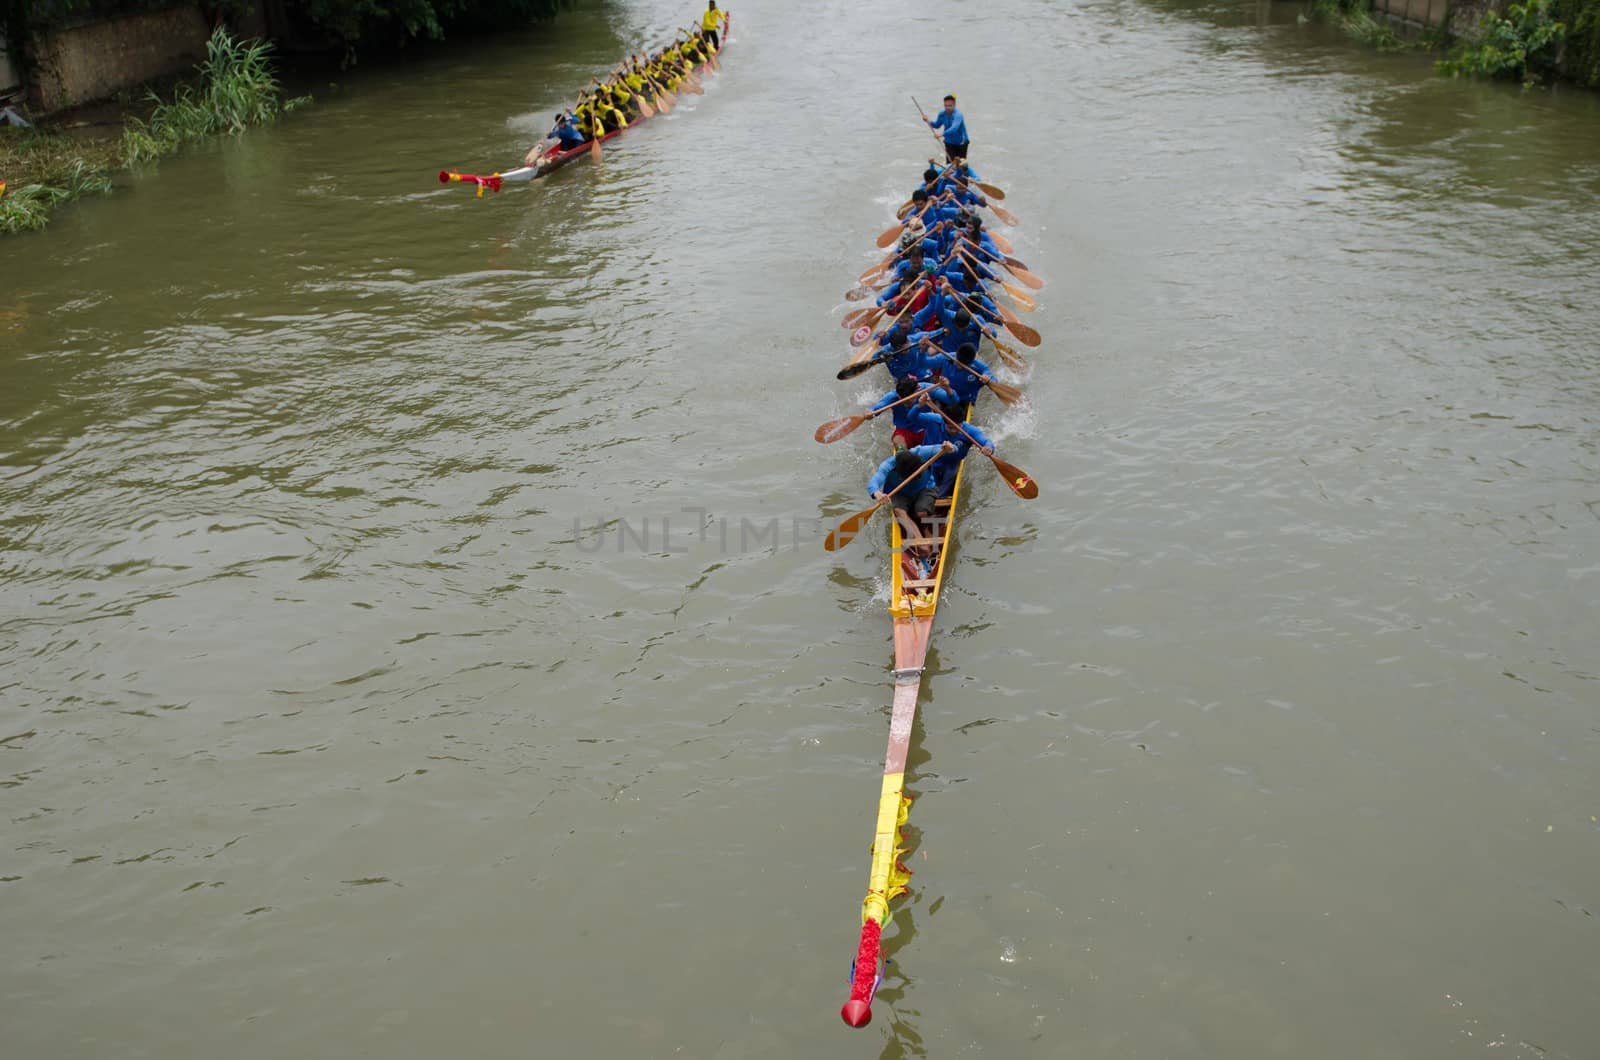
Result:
pixel 1530 42
pixel 236 89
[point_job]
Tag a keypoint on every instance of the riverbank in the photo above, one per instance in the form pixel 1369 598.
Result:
pixel 1533 42
pixel 236 87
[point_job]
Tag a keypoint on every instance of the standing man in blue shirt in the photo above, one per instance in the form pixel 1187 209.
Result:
pixel 955 130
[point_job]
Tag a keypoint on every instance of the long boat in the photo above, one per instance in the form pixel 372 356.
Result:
pixel 553 160
pixel 915 583
pixel 913 601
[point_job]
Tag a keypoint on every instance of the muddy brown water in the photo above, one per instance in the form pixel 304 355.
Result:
pixel 330 725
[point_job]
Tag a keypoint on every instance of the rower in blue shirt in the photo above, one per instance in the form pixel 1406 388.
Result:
pixel 912 418
pixel 907 359
pixel 966 330
pixel 916 500
pixel 955 130
pixel 568 133
pixel 975 232
pixel 912 264
pixel 938 313
pixel 964 376
pixel 561 137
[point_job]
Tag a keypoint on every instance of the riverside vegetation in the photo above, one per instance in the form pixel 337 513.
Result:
pixel 236 89
pixel 1528 42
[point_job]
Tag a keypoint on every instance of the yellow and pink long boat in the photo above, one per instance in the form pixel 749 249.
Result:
pixel 913 601
pixel 915 584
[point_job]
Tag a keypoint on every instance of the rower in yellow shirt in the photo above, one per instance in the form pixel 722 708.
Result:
pixel 709 23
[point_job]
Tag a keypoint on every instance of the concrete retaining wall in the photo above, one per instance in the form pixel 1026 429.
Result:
pixel 94 61
pixel 1421 12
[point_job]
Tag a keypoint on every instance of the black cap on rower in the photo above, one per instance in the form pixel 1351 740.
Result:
pixel 963 318
pixel 929 174
pixel 920 195
pixel 906 462
pixel 966 353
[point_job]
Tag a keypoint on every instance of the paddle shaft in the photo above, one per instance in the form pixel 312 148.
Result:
pixel 928 124
pixel 851 525
pixel 1019 481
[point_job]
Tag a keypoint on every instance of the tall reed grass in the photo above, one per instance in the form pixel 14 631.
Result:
pixel 237 90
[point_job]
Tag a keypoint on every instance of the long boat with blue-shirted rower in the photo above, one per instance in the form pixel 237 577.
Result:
pixel 652 97
pixel 922 486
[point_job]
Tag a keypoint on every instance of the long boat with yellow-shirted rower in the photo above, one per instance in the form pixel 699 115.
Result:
pixel 648 88
pixel 922 483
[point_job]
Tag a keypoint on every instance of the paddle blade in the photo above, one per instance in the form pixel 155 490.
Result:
pixel 861 317
pixel 594 149
pixel 846 531
pixel 833 430
pixel 644 107
pixel 856 294
pixel 1027 278
pixel 858 367
pixel 1025 335
pixel 1007 393
pixel 890 234
pixel 990 190
pixel 1024 303
pixel 1020 297
pixel 1011 358
pixel 1005 313
pixel 1000 241
pixel 1004 214
pixel 1021 483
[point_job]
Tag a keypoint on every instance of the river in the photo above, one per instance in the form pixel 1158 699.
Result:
pixel 416 642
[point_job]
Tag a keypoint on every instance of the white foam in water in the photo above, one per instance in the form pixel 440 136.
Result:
pixel 1015 422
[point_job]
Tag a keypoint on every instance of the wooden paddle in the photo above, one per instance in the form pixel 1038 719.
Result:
pixel 926 124
pixel 855 368
pixel 874 269
pixel 846 531
pixel 1026 335
pixel 1013 266
pixel 1004 214
pixel 858 338
pixel 1000 241
pixel 892 233
pixel 1021 483
pixel 1007 393
pixel 833 430
pixel 1013 360
pixel 1018 295
pixel 857 317
pixel 1026 304
pixel 664 99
